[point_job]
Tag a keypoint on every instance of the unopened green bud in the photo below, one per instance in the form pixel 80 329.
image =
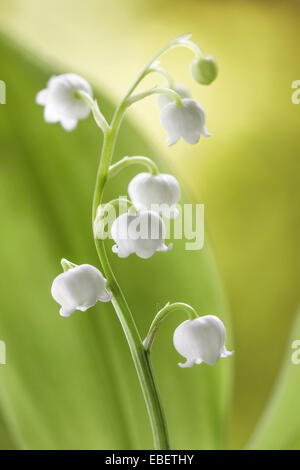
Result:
pixel 204 70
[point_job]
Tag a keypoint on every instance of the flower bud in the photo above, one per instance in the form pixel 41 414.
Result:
pixel 159 193
pixel 142 233
pixel 201 340
pixel 204 70
pixel 79 288
pixel 186 120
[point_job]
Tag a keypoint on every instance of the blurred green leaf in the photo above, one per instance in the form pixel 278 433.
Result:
pixel 70 383
pixel 279 427
pixel 6 441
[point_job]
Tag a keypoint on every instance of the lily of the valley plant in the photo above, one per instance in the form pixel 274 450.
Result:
pixel 140 230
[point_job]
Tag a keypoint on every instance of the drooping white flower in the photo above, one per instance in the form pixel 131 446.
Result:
pixel 159 193
pixel 61 102
pixel 164 99
pixel 201 340
pixel 142 233
pixel 79 288
pixel 186 120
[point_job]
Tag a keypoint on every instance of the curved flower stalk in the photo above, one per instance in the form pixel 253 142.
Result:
pixel 106 215
pixel 67 99
pixel 182 91
pixel 199 339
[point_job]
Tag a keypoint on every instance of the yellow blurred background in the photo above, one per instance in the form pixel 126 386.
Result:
pixel 247 175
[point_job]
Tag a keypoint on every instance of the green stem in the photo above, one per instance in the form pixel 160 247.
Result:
pixel 126 161
pixel 193 47
pixel 119 203
pixel 104 211
pixel 182 41
pixel 165 74
pixel 156 91
pixel 139 355
pixel 161 316
pixel 98 116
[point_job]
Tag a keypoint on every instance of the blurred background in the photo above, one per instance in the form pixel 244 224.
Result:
pixel 247 176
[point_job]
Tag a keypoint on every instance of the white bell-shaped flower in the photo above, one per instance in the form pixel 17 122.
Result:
pixel 201 340
pixel 61 101
pixel 164 99
pixel 159 193
pixel 79 288
pixel 142 233
pixel 186 120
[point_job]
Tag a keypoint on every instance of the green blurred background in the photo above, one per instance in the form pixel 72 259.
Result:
pixel 247 176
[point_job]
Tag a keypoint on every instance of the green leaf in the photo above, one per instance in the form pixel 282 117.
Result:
pixel 6 441
pixel 279 427
pixel 70 383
